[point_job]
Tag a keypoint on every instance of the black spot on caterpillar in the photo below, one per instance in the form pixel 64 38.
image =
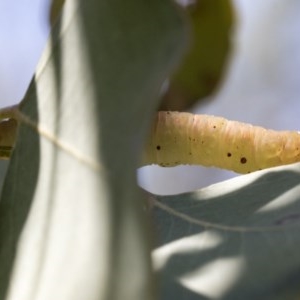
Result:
pixel 243 160
pixel 214 141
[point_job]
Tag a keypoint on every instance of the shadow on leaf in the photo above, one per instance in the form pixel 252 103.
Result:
pixel 247 247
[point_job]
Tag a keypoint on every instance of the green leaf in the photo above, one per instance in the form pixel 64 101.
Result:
pixel 238 239
pixel 71 221
pixel 202 68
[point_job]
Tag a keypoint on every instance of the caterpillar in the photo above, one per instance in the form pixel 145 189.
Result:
pixel 186 139
pixel 8 129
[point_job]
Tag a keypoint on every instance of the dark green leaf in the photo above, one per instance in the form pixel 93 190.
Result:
pixel 202 68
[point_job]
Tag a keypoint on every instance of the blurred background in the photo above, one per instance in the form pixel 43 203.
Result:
pixel 259 81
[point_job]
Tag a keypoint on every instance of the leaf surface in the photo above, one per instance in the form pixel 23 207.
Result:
pixel 71 224
pixel 238 239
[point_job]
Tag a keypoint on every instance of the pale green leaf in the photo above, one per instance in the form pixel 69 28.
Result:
pixel 71 220
pixel 238 239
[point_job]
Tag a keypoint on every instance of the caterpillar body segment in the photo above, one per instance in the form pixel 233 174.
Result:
pixel 188 139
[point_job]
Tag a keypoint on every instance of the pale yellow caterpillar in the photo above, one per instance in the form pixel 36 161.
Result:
pixel 187 139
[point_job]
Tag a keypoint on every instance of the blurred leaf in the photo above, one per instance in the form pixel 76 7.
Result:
pixel 71 221
pixel 201 71
pixel 55 10
pixel 238 239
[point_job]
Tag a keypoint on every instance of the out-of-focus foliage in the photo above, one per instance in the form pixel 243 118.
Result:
pixel 203 66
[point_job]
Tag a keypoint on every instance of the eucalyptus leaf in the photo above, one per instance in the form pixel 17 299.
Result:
pixel 238 239
pixel 71 220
